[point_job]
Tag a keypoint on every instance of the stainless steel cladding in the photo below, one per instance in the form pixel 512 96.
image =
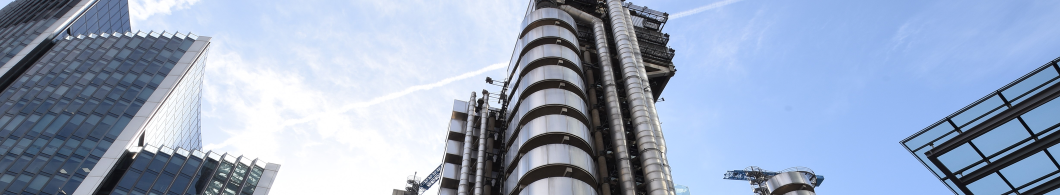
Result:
pixel 465 162
pixel 800 192
pixel 558 185
pixel 786 182
pixel 648 137
pixel 548 138
pixel 551 160
pixel 482 142
pixel 618 134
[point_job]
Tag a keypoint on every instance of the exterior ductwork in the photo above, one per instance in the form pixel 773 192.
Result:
pixel 482 142
pixel 611 95
pixel 465 162
pixel 660 140
pixel 652 158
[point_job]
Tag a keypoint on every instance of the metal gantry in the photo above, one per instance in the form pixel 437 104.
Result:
pixel 765 182
pixel 414 186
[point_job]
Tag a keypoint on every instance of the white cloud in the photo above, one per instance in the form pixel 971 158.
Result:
pixel 140 10
pixel 345 95
pixel 703 8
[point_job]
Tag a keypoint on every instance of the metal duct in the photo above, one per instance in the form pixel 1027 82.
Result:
pixel 660 140
pixel 617 130
pixel 482 141
pixel 651 156
pixel 465 162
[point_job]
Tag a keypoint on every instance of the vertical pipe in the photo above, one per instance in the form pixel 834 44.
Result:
pixel 465 162
pixel 618 134
pixel 651 156
pixel 653 114
pixel 482 141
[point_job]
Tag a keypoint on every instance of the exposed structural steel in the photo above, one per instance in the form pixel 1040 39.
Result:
pixel 792 181
pixel 1004 143
pixel 576 109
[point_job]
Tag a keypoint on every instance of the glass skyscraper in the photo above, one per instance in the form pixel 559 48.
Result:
pixel 89 107
pixel 1004 143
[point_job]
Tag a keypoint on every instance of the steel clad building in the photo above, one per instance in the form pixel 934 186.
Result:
pixel 577 112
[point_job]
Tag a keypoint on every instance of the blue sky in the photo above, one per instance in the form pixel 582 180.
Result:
pixel 355 95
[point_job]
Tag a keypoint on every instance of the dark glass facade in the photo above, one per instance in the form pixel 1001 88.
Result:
pixel 163 170
pixel 105 16
pixel 70 106
pixel 76 112
pixel 27 24
pixel 1002 143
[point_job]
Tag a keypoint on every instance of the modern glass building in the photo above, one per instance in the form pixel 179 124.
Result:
pixel 1003 143
pixel 576 113
pixel 81 97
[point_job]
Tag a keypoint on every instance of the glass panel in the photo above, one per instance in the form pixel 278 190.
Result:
pixel 927 136
pixel 1001 137
pixel 1031 82
pixel 978 110
pixel 959 157
pixel 1029 169
pixel 991 184
pixel 1043 117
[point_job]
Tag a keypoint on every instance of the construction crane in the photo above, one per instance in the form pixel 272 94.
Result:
pixel 414 186
pixel 762 182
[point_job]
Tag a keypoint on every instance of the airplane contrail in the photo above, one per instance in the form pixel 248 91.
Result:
pixel 395 95
pixel 704 8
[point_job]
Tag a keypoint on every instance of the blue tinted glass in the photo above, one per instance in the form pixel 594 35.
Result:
pixel 984 107
pixel 1030 83
pixel 1001 137
pixel 960 157
pixel 1043 117
pixel 1029 169
pixel 991 184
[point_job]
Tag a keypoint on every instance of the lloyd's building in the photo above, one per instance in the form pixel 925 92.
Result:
pixel 88 106
pixel 577 112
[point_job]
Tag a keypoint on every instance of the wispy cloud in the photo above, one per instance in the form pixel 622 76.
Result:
pixel 395 95
pixel 357 105
pixel 703 8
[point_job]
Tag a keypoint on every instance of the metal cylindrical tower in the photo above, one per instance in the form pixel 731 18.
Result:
pixel 548 136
